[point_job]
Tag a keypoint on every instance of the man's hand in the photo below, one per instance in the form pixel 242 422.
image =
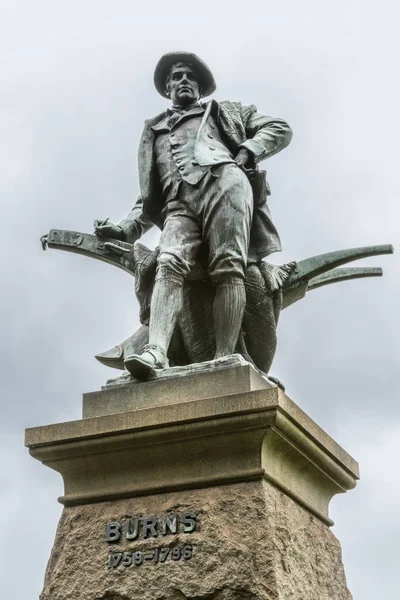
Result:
pixel 107 229
pixel 242 158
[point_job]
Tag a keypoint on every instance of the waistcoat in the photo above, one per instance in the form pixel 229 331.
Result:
pixel 175 151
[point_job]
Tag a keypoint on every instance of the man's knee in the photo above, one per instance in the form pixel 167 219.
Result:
pixel 227 268
pixel 172 267
pixel 229 281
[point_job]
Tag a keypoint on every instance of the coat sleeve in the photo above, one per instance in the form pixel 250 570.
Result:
pixel 135 223
pixel 265 135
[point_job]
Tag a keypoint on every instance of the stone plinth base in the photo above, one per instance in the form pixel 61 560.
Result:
pixel 216 498
pixel 221 377
pixel 252 543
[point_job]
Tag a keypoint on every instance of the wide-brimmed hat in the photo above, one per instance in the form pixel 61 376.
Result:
pixel 206 78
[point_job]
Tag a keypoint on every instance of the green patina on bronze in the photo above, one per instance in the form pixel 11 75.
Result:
pixel 269 290
pixel 207 291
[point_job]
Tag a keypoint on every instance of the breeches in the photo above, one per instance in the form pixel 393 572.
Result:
pixel 218 212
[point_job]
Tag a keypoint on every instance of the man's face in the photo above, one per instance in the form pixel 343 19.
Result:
pixel 183 85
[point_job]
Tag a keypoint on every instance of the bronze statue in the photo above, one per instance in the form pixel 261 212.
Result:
pixel 196 162
pixel 206 291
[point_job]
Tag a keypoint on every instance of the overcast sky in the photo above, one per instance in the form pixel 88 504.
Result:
pixel 76 83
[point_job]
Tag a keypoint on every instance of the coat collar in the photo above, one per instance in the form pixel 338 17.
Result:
pixel 164 123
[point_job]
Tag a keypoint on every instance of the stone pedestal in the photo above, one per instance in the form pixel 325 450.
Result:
pixel 217 498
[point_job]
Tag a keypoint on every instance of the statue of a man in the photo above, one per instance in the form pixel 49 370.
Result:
pixel 199 183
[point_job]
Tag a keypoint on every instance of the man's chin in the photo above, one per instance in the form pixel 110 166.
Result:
pixel 186 98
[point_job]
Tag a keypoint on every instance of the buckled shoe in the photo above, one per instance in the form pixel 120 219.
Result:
pixel 145 365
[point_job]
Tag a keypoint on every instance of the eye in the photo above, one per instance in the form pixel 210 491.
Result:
pixel 176 76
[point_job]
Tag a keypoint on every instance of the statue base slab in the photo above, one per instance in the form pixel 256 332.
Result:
pixel 224 497
pixel 177 384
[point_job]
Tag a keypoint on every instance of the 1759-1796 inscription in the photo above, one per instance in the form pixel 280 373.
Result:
pixel 144 528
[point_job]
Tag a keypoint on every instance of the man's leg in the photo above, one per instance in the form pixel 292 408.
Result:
pixel 166 306
pixel 227 214
pixel 228 310
pixel 179 242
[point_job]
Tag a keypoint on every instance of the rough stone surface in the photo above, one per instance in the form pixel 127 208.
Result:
pixel 252 543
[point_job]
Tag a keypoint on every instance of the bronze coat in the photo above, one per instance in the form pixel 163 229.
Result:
pixel 240 127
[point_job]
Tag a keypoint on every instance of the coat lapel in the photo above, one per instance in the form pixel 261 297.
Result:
pixel 211 108
pixel 231 123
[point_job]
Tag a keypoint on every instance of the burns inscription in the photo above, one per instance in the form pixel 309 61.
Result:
pixel 145 528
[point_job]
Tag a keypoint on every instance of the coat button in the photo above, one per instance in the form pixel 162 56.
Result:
pixel 210 135
pixel 194 162
pixel 212 126
pixel 181 168
pixel 211 147
pixel 178 160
